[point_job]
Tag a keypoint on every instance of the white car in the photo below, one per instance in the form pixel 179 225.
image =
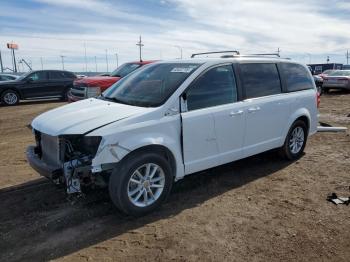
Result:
pixel 174 118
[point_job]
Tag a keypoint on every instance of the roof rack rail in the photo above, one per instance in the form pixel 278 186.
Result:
pixel 217 52
pixel 264 54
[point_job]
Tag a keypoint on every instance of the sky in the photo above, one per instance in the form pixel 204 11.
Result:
pixel 45 30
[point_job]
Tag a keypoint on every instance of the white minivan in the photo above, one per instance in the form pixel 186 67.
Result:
pixel 173 118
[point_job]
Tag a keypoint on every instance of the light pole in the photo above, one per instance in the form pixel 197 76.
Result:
pixel 1 65
pixel 116 56
pixel 107 60
pixel 62 59
pixel 180 48
pixel 140 45
pixel 85 57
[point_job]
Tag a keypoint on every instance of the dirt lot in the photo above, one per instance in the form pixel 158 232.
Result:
pixel 258 209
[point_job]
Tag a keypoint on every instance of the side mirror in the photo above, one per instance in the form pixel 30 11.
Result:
pixel 184 96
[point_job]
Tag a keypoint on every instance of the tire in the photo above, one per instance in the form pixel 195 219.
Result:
pixel 122 183
pixel 298 131
pixel 65 95
pixel 10 97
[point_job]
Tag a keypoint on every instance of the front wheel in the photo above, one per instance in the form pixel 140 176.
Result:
pixel 295 141
pixel 10 97
pixel 141 183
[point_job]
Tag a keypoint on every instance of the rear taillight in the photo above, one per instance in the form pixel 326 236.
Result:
pixel 318 99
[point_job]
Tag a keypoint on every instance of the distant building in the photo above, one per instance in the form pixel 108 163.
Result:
pixel 319 68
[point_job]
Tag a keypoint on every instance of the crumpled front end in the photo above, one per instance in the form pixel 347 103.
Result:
pixel 66 159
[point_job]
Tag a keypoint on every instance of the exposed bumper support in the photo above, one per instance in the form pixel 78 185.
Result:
pixel 42 168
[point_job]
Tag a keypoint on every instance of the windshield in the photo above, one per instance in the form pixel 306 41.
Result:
pixel 340 73
pixel 125 69
pixel 150 86
pixel 24 75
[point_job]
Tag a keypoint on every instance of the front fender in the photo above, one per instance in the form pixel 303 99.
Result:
pixel 112 149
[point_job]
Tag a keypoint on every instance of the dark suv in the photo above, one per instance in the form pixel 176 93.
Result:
pixel 36 85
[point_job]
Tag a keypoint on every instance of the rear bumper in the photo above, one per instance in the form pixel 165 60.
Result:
pixel 39 166
pixel 336 86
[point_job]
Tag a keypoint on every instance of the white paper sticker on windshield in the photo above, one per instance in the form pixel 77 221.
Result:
pixel 182 70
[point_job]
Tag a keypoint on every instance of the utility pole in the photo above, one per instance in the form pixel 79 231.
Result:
pixel 62 58
pixel 1 65
pixel 14 60
pixel 95 65
pixel 116 56
pixel 107 60
pixel 41 61
pixel 140 45
pixel 278 51
pixel 347 57
pixel 180 48
pixel 85 58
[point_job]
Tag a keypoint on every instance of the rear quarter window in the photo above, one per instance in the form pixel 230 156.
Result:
pixel 297 77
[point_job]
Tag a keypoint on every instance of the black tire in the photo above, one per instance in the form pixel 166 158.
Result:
pixel 119 182
pixel 65 95
pixel 10 97
pixel 325 90
pixel 286 150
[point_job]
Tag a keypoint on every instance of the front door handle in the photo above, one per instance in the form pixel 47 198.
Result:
pixel 253 109
pixel 236 113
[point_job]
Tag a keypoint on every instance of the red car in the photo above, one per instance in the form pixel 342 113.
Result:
pixel 93 86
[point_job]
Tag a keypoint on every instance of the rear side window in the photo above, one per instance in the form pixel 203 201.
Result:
pixel 56 75
pixel 260 80
pixel 297 77
pixel 215 87
pixel 69 75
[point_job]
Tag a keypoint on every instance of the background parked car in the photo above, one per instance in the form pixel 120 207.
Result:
pixel 7 77
pixel 36 85
pixel 338 79
pixel 93 86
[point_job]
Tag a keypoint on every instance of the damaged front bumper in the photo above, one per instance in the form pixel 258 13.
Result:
pixel 44 169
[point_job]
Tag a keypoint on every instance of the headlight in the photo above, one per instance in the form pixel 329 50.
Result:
pixel 93 91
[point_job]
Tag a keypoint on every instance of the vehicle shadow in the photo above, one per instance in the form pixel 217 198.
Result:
pixel 337 92
pixel 38 221
pixel 36 102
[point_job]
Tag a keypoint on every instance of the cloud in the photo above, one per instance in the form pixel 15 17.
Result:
pixel 49 28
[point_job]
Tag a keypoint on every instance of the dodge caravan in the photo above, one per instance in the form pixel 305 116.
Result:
pixel 173 118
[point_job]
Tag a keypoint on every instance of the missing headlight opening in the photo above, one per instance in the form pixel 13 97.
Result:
pixel 76 153
pixel 69 158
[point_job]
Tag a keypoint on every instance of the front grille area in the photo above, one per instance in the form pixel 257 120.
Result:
pixel 78 91
pixel 50 150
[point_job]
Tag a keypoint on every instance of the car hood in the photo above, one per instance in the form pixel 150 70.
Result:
pixel 9 82
pixel 83 116
pixel 101 81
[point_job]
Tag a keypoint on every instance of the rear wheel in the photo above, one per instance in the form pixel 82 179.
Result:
pixel 10 97
pixel 141 183
pixel 295 141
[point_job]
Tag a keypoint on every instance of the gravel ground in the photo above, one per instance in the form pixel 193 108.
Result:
pixel 258 209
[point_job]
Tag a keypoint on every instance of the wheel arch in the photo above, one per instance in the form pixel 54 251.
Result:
pixel 301 114
pixel 155 148
pixel 12 88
